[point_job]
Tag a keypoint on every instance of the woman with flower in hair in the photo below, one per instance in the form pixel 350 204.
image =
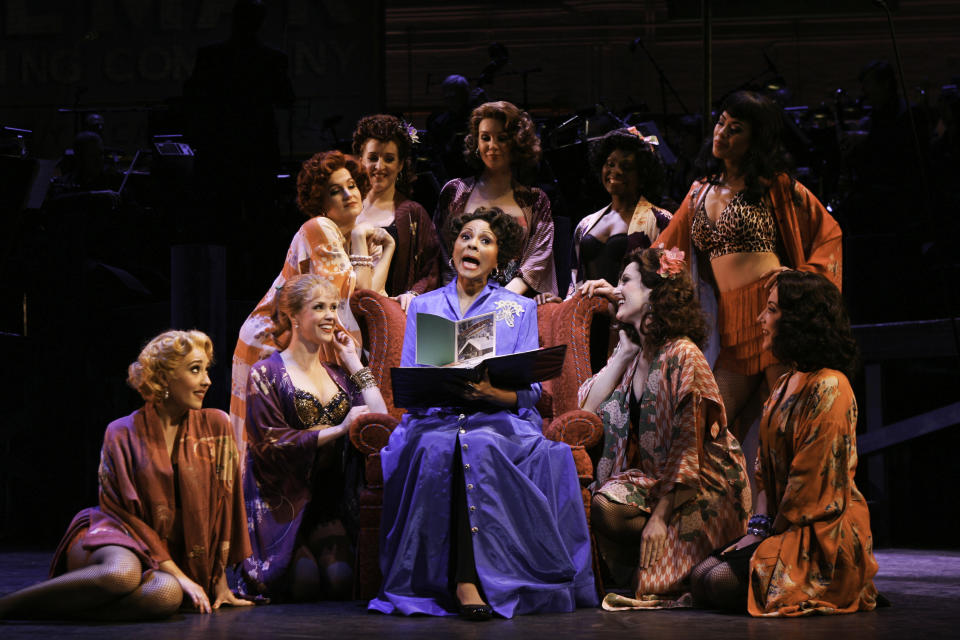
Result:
pixel 632 173
pixel 503 147
pixel 170 518
pixel 331 243
pixel 384 145
pixel 671 483
pixel 300 403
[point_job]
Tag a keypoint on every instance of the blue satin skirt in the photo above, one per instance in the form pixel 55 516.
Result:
pixel 529 529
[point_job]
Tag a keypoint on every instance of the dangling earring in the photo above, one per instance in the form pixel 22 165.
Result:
pixel 296 325
pixel 450 262
pixel 166 394
pixel 495 274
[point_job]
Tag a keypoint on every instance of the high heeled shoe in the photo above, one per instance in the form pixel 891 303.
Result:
pixel 476 612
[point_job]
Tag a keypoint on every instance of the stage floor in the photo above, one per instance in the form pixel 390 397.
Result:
pixel 923 587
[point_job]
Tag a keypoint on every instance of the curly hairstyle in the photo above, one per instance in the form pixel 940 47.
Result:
pixel 291 297
pixel 314 174
pixel 766 156
pixel 160 356
pixel 524 142
pixel 508 231
pixel 673 308
pixel 387 128
pixel 814 329
pixel 650 173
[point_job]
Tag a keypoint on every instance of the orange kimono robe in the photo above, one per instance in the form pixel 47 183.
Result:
pixel 317 247
pixel 192 514
pixel 809 239
pixel 823 562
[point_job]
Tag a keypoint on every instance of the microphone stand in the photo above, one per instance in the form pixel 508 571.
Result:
pixel 664 81
pixel 948 298
pixel 906 99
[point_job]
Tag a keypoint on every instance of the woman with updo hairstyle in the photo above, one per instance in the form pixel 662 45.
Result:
pixel 384 145
pixel 170 518
pixel 300 402
pixel 331 243
pixel 631 172
pixel 503 147
pixel 671 483
pixel 746 220
pixel 482 514
pixel 808 548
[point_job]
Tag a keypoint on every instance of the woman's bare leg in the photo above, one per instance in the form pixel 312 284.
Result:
pixel 736 389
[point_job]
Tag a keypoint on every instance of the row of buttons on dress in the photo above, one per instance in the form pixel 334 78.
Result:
pixel 466 467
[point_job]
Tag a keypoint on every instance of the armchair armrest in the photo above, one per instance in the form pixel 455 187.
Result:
pixel 577 428
pixel 370 432
pixel 581 430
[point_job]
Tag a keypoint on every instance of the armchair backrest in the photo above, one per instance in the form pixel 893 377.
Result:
pixel 383 322
pixel 569 323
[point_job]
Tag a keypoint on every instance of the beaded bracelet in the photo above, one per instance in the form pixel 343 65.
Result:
pixel 759 525
pixel 361 261
pixel 363 378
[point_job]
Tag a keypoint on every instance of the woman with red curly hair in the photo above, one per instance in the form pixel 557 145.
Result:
pixel 384 145
pixel 170 517
pixel 331 243
pixel 503 146
pixel 671 483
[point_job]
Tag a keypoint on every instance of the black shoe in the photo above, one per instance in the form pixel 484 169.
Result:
pixel 476 612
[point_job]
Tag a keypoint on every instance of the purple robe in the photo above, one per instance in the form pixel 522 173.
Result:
pixel 530 537
pixel 285 470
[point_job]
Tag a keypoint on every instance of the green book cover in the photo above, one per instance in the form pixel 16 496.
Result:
pixel 441 342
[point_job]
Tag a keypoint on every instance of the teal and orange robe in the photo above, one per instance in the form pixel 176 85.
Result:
pixel 679 442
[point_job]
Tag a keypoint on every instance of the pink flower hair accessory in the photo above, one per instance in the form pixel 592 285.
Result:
pixel 671 262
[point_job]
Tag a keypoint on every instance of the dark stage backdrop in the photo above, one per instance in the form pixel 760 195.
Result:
pixel 576 53
pixel 129 59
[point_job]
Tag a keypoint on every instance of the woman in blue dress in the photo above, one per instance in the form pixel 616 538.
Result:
pixel 481 513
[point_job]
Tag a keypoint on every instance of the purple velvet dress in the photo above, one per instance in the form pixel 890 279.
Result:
pixel 289 482
pixel 530 537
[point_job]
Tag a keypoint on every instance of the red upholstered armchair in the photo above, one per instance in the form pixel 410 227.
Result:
pixel 383 324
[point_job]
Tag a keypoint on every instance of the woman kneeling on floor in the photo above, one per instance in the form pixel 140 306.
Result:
pixel 809 548
pixel 671 482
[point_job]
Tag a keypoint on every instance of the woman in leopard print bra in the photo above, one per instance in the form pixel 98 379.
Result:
pixel 747 220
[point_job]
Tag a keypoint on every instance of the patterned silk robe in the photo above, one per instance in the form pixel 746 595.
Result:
pixel 680 443
pixel 823 562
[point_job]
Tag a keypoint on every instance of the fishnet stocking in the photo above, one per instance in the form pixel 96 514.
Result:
pixel 724 590
pixel 159 596
pixel 698 578
pixel 621 523
pixel 111 575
